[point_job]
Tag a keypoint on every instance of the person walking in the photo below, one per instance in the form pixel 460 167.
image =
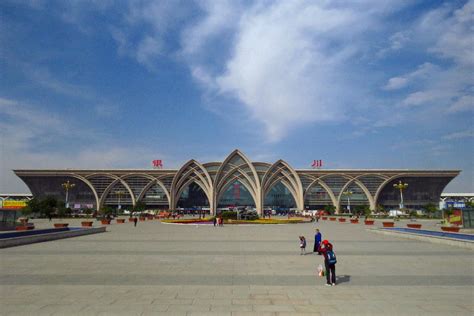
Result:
pixel 135 220
pixel 317 241
pixel 215 221
pixel 302 245
pixel 329 262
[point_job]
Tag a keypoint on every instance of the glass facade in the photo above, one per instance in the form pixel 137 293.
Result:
pixel 239 182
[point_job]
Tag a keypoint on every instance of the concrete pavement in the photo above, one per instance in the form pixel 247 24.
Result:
pixel 155 269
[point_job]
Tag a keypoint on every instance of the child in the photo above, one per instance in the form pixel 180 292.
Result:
pixel 302 245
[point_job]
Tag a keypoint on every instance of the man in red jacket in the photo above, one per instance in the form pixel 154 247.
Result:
pixel 330 268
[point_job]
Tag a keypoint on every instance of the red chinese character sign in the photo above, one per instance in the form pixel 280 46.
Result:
pixel 236 191
pixel 317 164
pixel 158 163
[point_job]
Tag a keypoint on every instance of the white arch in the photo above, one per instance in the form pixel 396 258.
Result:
pixel 109 188
pixel 226 185
pixel 181 189
pixel 364 189
pixel 182 176
pixel 255 182
pixel 282 168
pixel 89 184
pixel 325 187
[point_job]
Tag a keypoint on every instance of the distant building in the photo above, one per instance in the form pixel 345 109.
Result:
pixel 14 200
pixel 239 182
pixel 455 200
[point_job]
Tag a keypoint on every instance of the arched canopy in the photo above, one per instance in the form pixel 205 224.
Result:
pixel 235 188
pixel 99 180
pixel 192 171
pixel 362 187
pixel 282 172
pixel 325 187
pixel 196 196
pixel 238 167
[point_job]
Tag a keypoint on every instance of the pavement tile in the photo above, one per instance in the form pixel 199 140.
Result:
pixel 273 308
pixel 164 301
pixel 316 308
pixel 231 308
pixel 252 301
pixel 155 270
pixel 189 308
pixel 254 314
pixel 213 301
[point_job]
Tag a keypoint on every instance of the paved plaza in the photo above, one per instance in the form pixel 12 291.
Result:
pixel 166 269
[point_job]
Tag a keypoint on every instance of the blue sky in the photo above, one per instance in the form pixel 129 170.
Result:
pixel 116 84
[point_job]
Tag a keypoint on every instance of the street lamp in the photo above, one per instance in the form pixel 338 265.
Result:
pixel 401 186
pixel 119 193
pixel 67 186
pixel 348 193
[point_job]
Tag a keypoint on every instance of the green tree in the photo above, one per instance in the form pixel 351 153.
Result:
pixel 430 208
pixel 380 209
pixel 140 206
pixel 88 211
pixel 106 210
pixel 330 209
pixel 48 206
pixel 26 211
pixel 363 209
pixel 33 205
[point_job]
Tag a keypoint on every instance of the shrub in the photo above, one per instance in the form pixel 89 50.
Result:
pixel 229 215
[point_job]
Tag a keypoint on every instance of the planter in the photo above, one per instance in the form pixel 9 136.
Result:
pixel 130 219
pixel 368 222
pixel 86 224
pixel 142 219
pixel 324 218
pixel 150 218
pixel 61 225
pixel 354 221
pixel 332 219
pixel 342 220
pixel 105 221
pixel 25 227
pixel 417 226
pixel 120 220
pixel 450 229
pixel 388 224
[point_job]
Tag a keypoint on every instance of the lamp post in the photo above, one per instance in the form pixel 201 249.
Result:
pixel 67 186
pixel 401 186
pixel 119 193
pixel 348 193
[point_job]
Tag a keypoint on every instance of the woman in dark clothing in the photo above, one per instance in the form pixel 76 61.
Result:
pixel 317 241
pixel 325 247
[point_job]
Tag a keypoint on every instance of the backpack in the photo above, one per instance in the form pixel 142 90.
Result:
pixel 331 257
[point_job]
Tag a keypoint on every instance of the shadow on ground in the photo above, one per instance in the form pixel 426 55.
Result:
pixel 343 279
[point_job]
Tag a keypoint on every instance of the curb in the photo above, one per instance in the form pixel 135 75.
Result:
pixel 436 240
pixel 26 240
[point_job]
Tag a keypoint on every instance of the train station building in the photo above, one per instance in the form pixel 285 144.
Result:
pixel 237 181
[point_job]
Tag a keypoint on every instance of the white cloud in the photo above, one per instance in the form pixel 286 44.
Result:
pixel 460 135
pixel 30 137
pixel 447 85
pixel 464 103
pixel 455 40
pixel 424 71
pixel 148 50
pixel 289 61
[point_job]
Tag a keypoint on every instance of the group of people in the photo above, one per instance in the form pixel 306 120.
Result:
pixel 324 248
